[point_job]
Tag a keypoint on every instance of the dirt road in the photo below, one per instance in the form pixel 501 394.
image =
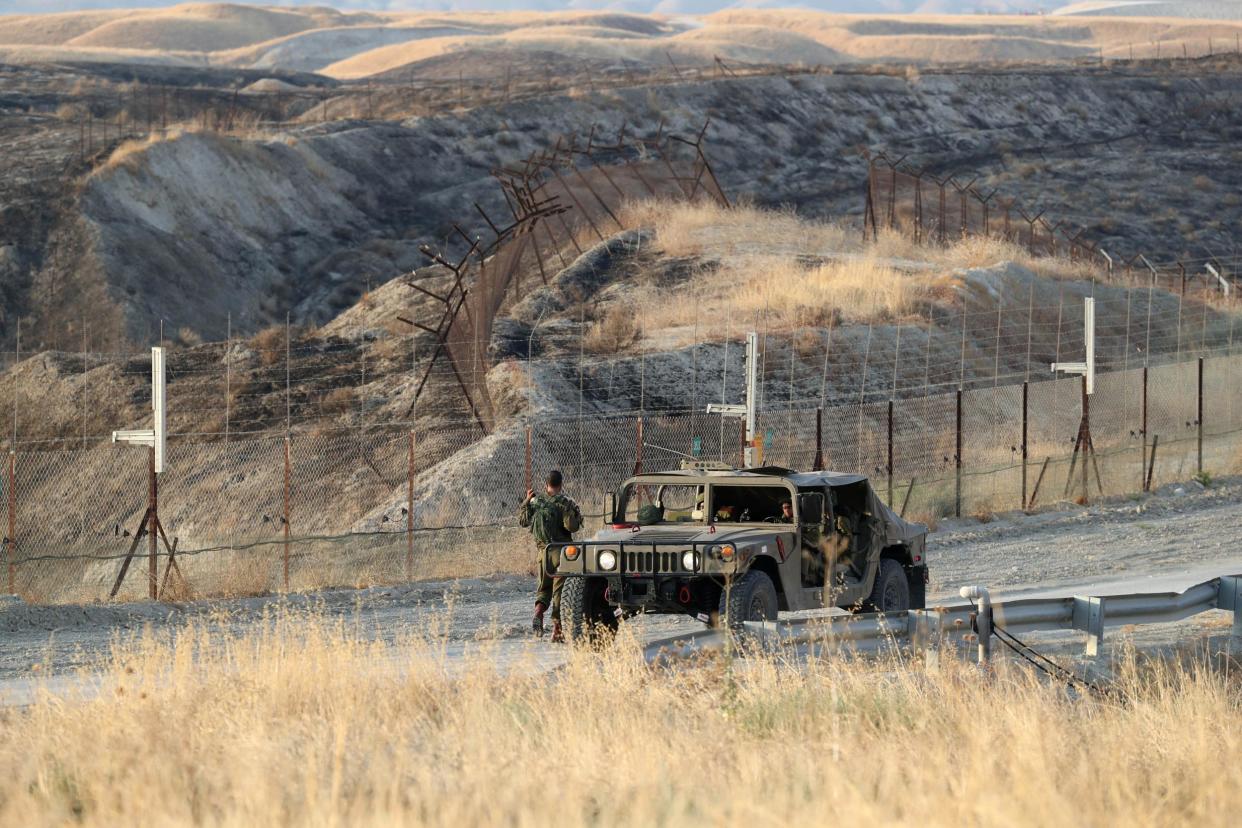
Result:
pixel 1167 540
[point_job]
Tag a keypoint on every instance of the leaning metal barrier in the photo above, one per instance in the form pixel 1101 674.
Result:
pixel 870 633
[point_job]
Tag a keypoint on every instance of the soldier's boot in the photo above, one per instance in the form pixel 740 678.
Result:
pixel 536 623
pixel 558 637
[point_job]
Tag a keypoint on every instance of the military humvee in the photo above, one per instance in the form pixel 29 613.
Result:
pixel 718 543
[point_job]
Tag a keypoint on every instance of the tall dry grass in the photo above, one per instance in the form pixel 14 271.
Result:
pixel 306 720
pixel 863 289
pixel 794 271
pixel 708 229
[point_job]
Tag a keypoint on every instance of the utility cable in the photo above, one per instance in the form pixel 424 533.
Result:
pixel 1053 669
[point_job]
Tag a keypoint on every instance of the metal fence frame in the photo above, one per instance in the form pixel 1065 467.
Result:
pixel 391 504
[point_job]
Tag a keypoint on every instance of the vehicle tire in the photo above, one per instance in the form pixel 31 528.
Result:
pixel 891 590
pixel 751 598
pixel 585 614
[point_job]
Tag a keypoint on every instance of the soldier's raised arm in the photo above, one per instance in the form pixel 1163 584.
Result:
pixel 524 510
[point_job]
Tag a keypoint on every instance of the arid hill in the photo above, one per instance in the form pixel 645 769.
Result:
pixel 362 44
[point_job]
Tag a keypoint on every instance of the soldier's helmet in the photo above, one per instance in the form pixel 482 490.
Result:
pixel 649 514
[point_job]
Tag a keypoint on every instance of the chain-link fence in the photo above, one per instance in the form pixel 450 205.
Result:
pixel 384 505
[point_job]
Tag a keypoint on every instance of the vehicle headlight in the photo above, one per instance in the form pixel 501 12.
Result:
pixel 607 560
pixel 690 561
pixel 571 552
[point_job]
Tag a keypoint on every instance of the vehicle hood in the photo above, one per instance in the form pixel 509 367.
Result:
pixel 688 534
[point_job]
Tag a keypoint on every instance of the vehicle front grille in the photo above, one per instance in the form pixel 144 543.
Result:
pixel 651 562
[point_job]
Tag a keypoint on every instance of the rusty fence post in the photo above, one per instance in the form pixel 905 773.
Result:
pixel 1026 396
pixel 1199 418
pixel 638 439
pixel 892 199
pixel 288 475
pixel 819 440
pixel 1085 438
pixel 1039 479
pixel 11 545
pixel 869 220
pixel 957 460
pixel 529 460
pixel 942 213
pixel 918 208
pixel 890 454
pixel 1151 464
pixel 1143 435
pixel 409 514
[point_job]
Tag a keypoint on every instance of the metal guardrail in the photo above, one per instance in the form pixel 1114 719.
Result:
pixel 926 629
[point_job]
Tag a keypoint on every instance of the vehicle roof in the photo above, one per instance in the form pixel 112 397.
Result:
pixel 816 478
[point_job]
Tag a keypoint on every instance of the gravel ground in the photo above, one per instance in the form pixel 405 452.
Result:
pixel 1167 540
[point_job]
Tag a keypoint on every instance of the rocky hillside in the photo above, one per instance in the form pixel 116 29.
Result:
pixel 190 230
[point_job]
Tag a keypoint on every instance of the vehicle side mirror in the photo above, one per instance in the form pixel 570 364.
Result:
pixel 610 508
pixel 811 508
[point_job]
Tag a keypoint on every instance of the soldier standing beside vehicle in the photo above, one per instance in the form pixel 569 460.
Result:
pixel 552 518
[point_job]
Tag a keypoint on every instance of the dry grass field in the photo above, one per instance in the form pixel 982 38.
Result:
pixel 305 721
pixel 356 45
pixel 793 271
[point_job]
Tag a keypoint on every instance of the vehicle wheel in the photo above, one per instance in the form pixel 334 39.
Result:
pixel 751 598
pixel 585 615
pixel 891 590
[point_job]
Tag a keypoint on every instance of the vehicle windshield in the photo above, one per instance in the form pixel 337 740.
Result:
pixel 648 505
pixel 751 504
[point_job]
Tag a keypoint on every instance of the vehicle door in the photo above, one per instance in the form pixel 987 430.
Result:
pixel 811 530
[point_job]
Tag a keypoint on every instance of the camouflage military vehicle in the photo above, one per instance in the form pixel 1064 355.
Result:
pixel 718 543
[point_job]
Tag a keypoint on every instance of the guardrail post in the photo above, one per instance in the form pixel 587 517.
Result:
pixel 1089 618
pixel 983 618
pixel 924 632
pixel 1229 597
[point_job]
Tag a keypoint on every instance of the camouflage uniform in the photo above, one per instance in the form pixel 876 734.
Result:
pixel 547 517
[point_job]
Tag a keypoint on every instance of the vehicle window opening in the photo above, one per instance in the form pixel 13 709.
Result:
pixel 816 547
pixel 747 504
pixel 825 506
pixel 648 505
pixel 852 523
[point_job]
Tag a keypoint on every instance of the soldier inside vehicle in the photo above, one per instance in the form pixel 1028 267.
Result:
pixel 748 504
pixel 647 505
